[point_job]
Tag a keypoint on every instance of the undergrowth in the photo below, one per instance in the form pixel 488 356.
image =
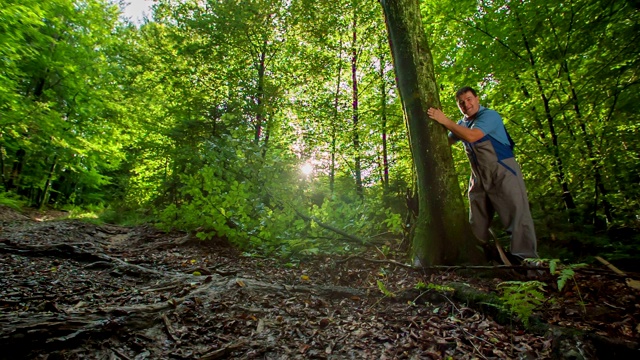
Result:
pixel 521 298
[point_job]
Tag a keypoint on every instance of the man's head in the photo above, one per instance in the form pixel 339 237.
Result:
pixel 468 101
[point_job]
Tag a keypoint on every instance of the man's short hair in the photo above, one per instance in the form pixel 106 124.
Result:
pixel 465 89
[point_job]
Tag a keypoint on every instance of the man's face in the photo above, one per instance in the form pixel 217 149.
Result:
pixel 468 104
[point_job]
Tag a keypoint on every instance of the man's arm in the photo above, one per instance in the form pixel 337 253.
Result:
pixel 463 133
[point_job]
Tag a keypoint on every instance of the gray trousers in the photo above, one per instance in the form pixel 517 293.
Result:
pixel 498 186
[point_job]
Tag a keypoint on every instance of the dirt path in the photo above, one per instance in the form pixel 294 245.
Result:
pixel 73 290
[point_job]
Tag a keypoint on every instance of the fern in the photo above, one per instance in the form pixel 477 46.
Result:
pixel 522 298
pixel 565 274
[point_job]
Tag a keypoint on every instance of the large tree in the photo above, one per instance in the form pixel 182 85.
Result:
pixel 442 235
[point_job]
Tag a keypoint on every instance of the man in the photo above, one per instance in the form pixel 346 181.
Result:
pixel 496 183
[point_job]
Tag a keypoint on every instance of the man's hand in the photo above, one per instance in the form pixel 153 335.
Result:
pixel 461 132
pixel 437 115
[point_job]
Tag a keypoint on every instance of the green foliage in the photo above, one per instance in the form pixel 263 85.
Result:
pixel 129 217
pixel 522 298
pixel 58 108
pixel 431 286
pixel 89 213
pixel 11 200
pixel 563 78
pixel 359 217
pixel 564 273
pixel 178 121
pixel 383 289
pixel 421 286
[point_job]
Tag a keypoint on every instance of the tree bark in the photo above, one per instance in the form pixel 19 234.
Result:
pixel 260 95
pixel 47 184
pixel 334 123
pixel 16 171
pixel 354 80
pixel 383 117
pixel 442 235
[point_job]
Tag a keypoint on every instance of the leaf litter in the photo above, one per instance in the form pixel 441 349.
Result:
pixel 74 290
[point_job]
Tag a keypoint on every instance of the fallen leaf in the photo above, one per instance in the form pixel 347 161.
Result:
pixel 304 278
pixel 240 283
pixel 635 284
pixel 303 348
pixel 329 349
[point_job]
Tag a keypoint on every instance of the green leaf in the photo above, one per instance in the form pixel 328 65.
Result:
pixel 384 290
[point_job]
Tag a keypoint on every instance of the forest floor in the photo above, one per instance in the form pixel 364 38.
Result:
pixel 75 290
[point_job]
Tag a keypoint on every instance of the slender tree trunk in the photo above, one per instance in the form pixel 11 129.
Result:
pixel 383 116
pixel 354 80
pixel 260 96
pixel 599 185
pixel 560 175
pixel 47 184
pixel 442 233
pixel 334 122
pixel 553 147
pixel 267 134
pixel 4 178
pixel 16 171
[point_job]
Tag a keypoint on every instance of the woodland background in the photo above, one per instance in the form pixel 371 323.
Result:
pixel 243 119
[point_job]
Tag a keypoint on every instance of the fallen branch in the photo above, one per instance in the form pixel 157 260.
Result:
pixel 444 267
pixel 328 227
pixel 610 266
pixel 392 262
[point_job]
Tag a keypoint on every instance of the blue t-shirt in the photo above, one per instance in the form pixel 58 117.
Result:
pixel 489 121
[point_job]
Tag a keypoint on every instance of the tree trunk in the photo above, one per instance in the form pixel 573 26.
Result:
pixel 334 123
pixel 267 134
pixel 383 117
pixel 260 95
pixel 354 79
pixel 590 150
pixel 47 184
pixel 442 234
pixel 567 197
pixel 16 171
pixel 5 183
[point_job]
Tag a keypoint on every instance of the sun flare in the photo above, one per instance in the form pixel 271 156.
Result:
pixel 306 168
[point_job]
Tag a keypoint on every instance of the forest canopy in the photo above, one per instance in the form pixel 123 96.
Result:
pixel 258 122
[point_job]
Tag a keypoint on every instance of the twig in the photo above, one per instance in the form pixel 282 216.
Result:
pixel 167 326
pixel 171 286
pixel 474 345
pixel 375 261
pixel 120 354
pixel 503 256
pixel 613 306
pixel 224 352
